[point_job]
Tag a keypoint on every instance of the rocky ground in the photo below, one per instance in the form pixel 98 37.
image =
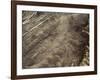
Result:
pixel 54 39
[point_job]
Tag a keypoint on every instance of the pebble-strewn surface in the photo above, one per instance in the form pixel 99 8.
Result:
pixel 54 39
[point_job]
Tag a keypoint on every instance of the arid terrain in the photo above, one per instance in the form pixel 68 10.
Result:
pixel 54 39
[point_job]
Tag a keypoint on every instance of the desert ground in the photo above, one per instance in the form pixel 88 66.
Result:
pixel 53 39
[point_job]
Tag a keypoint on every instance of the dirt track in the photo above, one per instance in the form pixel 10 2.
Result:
pixel 54 39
